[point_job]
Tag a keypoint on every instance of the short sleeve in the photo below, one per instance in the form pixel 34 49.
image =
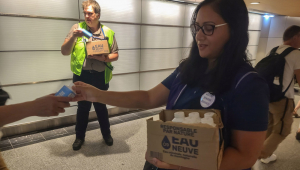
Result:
pixel 169 80
pixel 114 47
pixel 296 56
pixel 75 26
pixel 250 105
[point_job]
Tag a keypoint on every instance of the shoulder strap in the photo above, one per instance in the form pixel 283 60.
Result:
pixel 273 51
pixel 287 51
pixel 288 86
pixel 284 54
pixel 3 96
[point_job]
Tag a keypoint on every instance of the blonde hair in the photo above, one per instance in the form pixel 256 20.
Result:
pixel 93 3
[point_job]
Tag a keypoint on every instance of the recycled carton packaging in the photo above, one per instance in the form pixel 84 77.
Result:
pixel 195 146
pixel 97 47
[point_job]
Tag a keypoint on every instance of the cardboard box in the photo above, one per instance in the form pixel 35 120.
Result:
pixel 97 47
pixel 195 146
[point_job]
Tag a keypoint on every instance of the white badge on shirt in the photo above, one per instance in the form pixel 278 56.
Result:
pixel 207 100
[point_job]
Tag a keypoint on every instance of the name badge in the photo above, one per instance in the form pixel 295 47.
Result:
pixel 207 100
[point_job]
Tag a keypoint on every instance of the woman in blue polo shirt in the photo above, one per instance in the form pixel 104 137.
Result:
pixel 217 67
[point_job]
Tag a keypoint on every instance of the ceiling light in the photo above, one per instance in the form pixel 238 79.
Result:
pixel 267 16
pixel 255 3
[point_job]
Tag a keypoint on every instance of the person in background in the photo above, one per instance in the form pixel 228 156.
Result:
pixel 281 112
pixel 296 110
pixel 95 70
pixel 217 66
pixel 295 114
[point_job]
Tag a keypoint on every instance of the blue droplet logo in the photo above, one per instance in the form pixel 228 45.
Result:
pixel 166 143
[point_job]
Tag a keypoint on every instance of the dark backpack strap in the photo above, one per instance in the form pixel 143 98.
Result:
pixel 3 96
pixel 287 51
pixel 288 86
pixel 284 54
pixel 273 51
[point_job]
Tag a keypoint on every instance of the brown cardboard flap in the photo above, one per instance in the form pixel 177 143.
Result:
pixel 192 125
pixel 220 156
pixel 162 116
pixel 151 118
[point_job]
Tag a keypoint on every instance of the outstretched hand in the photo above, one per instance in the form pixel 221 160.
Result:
pixel 50 105
pixel 85 92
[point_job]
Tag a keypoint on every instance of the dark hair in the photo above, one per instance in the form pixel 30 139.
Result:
pixel 234 55
pixel 290 32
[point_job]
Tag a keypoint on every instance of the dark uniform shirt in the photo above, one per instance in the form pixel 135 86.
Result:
pixel 244 107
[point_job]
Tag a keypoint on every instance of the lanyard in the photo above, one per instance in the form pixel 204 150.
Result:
pixel 98 37
pixel 102 31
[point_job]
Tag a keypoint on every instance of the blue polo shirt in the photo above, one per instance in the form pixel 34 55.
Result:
pixel 245 107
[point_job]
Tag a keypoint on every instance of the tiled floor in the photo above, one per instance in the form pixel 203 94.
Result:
pixel 56 153
pixel 36 137
pixel 55 150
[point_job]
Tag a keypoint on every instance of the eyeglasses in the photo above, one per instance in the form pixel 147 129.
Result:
pixel 207 29
pixel 88 13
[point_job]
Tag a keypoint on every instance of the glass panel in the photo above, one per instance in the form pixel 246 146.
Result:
pixel 187 38
pixel 254 37
pixel 273 42
pixel 127 36
pixel 118 10
pixel 53 8
pixel 35 34
pixel 292 21
pixel 255 21
pixel 161 12
pixel 161 37
pixel 149 80
pixel 189 10
pixel 154 59
pixel 129 61
pixel 21 67
pixel 126 82
pixel 277 27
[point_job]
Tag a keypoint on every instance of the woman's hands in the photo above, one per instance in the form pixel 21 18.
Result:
pixel 85 92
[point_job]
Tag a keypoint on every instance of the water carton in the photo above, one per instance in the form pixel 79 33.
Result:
pixel 196 146
pixel 66 91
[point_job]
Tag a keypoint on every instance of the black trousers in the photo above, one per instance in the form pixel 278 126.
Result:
pixel 96 79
